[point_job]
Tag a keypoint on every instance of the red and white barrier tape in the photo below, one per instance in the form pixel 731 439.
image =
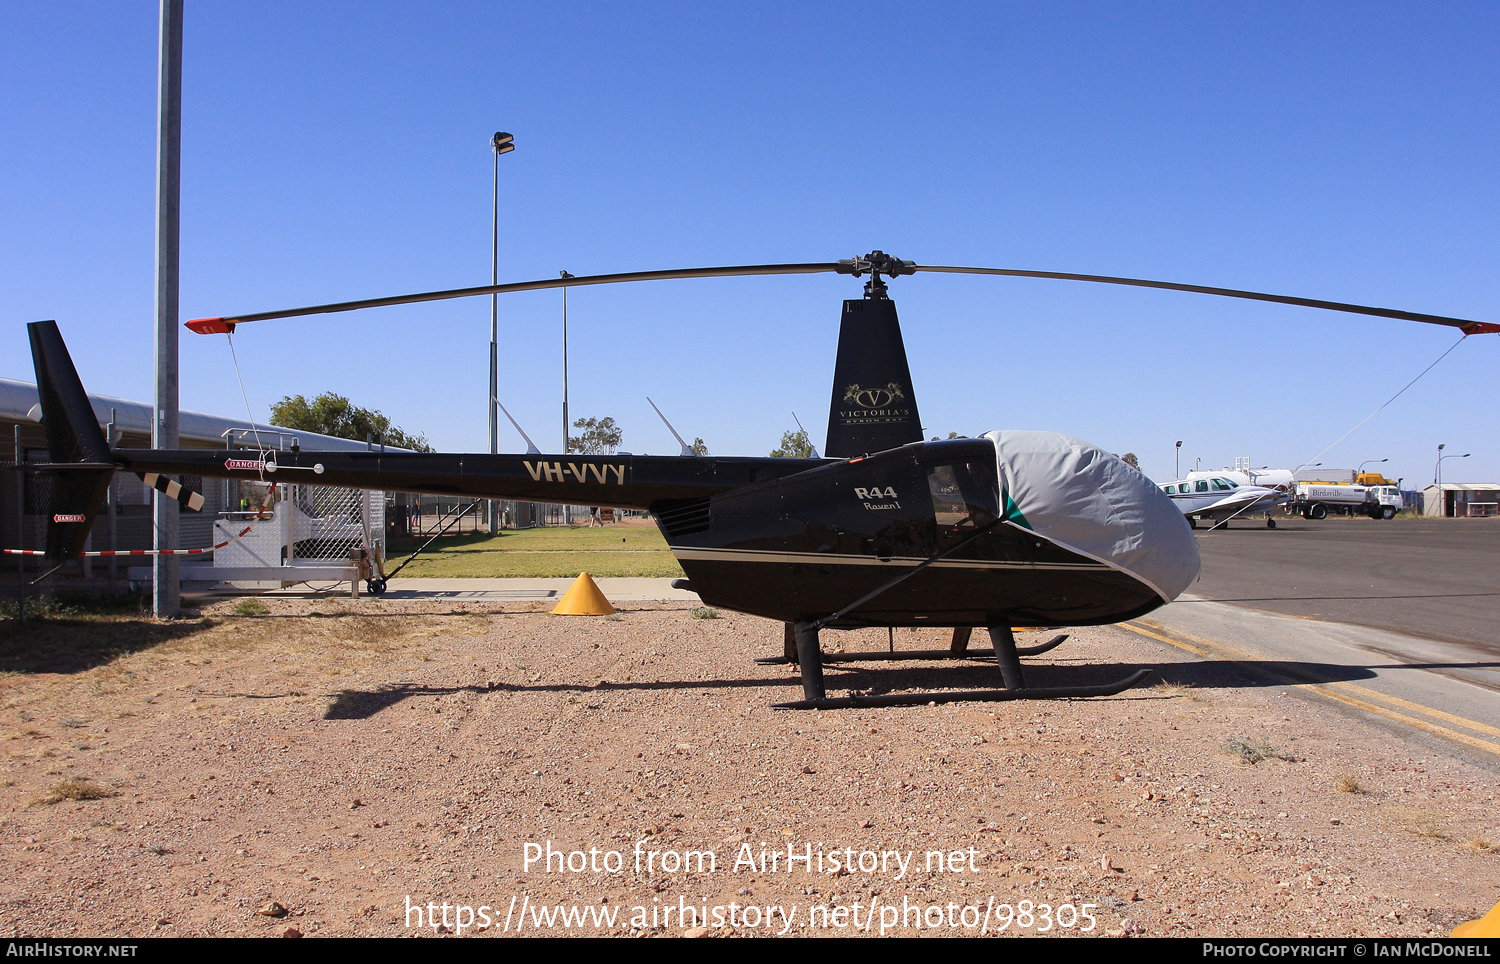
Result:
pixel 136 552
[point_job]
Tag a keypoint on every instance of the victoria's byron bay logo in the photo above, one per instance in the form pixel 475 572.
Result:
pixel 874 404
pixel 873 397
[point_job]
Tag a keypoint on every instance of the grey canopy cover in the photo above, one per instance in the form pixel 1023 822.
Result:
pixel 1084 499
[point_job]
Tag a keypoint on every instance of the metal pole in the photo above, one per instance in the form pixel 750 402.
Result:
pixel 494 325
pixel 567 510
pixel 114 439
pixel 20 529
pixel 165 588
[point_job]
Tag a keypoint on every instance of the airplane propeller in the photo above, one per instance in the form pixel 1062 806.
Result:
pixel 876 263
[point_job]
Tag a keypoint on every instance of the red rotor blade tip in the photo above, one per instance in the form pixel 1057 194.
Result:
pixel 210 326
pixel 1480 328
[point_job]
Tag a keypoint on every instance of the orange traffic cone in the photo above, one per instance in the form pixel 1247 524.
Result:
pixel 583 599
pixel 1486 926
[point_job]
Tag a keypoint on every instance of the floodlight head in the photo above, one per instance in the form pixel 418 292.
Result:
pixel 210 326
pixel 503 143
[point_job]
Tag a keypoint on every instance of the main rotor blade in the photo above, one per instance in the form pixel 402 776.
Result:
pixel 1467 326
pixel 209 326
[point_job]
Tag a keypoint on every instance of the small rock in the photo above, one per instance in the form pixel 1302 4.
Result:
pixel 291 932
pixel 271 909
pixel 695 932
pixel 1335 821
pixel 356 804
pixel 745 891
pixel 865 824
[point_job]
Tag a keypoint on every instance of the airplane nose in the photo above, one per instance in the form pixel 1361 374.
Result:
pixel 1084 499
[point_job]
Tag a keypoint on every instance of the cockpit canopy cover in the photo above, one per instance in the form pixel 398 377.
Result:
pixel 1082 498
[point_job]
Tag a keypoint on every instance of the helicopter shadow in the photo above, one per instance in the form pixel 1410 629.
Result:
pixel 1205 674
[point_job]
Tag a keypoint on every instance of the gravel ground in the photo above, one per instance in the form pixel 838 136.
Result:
pixel 325 766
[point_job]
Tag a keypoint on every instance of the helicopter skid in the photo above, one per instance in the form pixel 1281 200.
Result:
pixel 968 696
pixel 919 654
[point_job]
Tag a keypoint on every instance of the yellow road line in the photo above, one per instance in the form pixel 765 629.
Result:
pixel 1195 650
pixel 1423 725
pixel 1418 707
pixel 1325 689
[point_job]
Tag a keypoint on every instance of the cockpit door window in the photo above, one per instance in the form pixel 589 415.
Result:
pixel 964 495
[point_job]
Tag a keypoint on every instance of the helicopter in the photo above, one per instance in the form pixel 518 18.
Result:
pixel 1012 529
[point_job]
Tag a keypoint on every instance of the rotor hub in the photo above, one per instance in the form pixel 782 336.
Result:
pixel 875 264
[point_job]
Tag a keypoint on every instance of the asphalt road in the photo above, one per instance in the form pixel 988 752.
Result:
pixel 1435 578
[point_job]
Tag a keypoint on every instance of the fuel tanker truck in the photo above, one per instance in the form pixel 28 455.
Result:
pixel 1371 494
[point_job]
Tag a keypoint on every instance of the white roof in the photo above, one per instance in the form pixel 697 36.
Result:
pixel 19 402
pixel 1467 487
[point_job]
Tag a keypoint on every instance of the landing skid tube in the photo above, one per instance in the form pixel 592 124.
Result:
pixel 810 658
pixel 918 654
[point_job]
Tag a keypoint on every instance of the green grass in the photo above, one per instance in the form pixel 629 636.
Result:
pixel 540 553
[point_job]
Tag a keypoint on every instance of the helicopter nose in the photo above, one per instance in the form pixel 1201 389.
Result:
pixel 1082 498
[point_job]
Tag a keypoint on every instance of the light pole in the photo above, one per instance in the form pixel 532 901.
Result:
pixel 501 143
pixel 565 276
pixel 567 510
pixel 1366 462
pixel 166 587
pixel 1439 479
pixel 1178 475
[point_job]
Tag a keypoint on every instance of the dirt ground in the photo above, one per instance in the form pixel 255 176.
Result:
pixel 326 766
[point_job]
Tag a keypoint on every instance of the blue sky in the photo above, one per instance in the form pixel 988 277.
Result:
pixel 339 150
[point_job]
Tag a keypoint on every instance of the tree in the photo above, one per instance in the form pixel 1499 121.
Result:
pixel 1129 459
pixel 794 445
pixel 332 414
pixel 699 447
pixel 600 436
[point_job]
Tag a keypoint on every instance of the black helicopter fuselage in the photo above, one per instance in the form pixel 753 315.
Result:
pixel 803 547
pixel 787 539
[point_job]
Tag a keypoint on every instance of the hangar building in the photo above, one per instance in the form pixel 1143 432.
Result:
pixel 1462 500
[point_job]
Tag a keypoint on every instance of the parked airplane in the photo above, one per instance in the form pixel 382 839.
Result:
pixel 1219 498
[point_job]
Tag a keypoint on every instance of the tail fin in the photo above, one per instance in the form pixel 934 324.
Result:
pixel 873 406
pixel 80 464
